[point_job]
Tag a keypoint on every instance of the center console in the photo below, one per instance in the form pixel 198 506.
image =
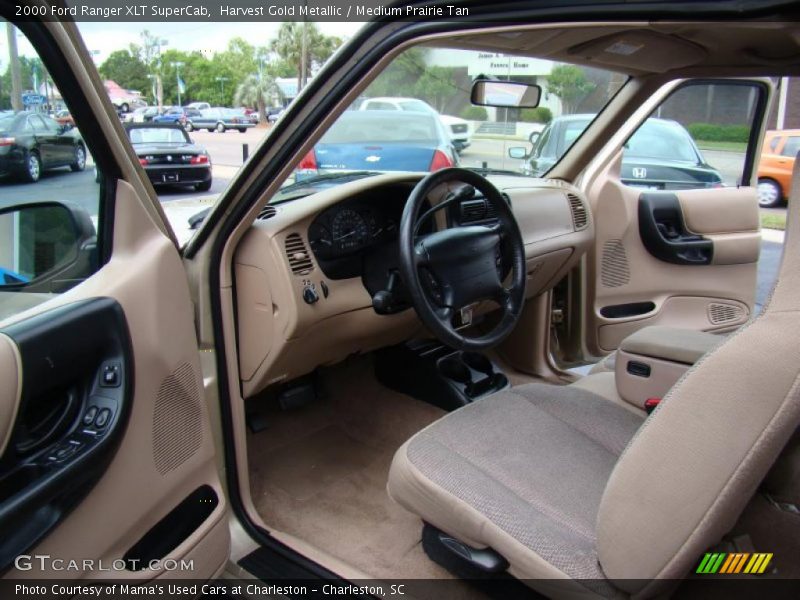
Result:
pixel 438 375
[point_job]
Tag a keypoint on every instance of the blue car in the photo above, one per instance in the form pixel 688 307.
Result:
pixel 178 114
pixel 9 277
pixel 381 140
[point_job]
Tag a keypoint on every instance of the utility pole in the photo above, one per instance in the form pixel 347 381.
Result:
pixel 222 81
pixel 13 59
pixel 303 54
pixel 178 65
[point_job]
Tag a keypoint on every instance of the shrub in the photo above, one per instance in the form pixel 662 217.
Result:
pixel 474 113
pixel 540 114
pixel 709 132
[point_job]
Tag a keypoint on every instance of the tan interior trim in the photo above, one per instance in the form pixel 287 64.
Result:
pixel 11 390
pixel 145 271
pixel 635 389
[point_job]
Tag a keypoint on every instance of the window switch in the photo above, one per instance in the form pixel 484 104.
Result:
pixel 110 377
pixel 88 418
pixel 102 418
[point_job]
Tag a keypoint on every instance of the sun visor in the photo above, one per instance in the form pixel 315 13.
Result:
pixel 639 50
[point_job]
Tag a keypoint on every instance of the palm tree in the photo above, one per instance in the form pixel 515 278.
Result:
pixel 258 90
pixel 289 46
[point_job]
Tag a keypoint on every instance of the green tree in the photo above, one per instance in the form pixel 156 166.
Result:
pixel 31 70
pixel 400 77
pixel 288 45
pixel 570 84
pixel 127 69
pixel 259 91
pixel 411 75
pixel 436 86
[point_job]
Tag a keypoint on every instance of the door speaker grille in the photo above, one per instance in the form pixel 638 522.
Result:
pixel 296 253
pixel 724 313
pixel 177 420
pixel 614 269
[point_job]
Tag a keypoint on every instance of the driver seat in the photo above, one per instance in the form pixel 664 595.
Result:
pixel 584 498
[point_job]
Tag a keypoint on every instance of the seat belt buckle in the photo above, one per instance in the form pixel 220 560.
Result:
pixel 651 404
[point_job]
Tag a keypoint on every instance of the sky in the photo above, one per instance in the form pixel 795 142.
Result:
pixel 103 38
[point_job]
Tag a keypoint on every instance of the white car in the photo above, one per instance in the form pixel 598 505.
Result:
pixel 459 130
pixel 199 105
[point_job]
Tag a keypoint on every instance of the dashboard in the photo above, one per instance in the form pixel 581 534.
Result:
pixel 344 236
pixel 308 272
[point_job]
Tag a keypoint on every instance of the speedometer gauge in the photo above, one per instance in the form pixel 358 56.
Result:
pixel 349 230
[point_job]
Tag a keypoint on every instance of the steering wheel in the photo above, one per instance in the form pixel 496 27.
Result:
pixel 448 271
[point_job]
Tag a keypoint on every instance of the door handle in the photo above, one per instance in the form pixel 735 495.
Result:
pixel 664 235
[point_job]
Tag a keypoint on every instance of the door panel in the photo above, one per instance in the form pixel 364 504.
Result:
pixel 164 453
pixel 684 258
pixel 76 397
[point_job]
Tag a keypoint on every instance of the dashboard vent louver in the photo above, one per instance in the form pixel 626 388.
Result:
pixel 580 217
pixel 297 254
pixel 267 213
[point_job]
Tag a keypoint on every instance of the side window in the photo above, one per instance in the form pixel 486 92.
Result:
pixel 773 145
pixel 697 138
pixel 791 147
pixel 49 214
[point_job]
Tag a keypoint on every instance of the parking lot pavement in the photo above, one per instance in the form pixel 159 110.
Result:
pixel 60 184
pixel 226 148
pixel 729 164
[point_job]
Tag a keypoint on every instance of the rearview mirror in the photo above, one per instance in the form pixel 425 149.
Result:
pixel 45 241
pixel 517 152
pixel 505 94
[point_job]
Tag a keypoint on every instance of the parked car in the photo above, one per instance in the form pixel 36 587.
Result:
pixel 143 114
pixel 31 143
pixel 123 100
pixel 274 112
pixel 458 129
pixel 381 140
pixel 198 105
pixel 661 155
pixel 63 117
pixel 169 156
pixel 9 277
pixel 775 167
pixel 221 119
pixel 177 114
pixel 249 114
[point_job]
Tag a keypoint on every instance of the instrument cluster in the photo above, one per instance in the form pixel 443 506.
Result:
pixel 350 228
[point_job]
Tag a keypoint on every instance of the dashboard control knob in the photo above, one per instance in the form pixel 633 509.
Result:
pixel 310 295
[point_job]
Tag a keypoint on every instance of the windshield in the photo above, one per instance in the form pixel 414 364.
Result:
pixel 157 135
pixel 417 116
pixel 6 122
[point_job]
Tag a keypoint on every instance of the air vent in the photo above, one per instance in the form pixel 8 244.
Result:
pixel 580 217
pixel 267 213
pixel 296 253
pixel 478 210
pixel 614 269
pixel 473 211
pixel 719 314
